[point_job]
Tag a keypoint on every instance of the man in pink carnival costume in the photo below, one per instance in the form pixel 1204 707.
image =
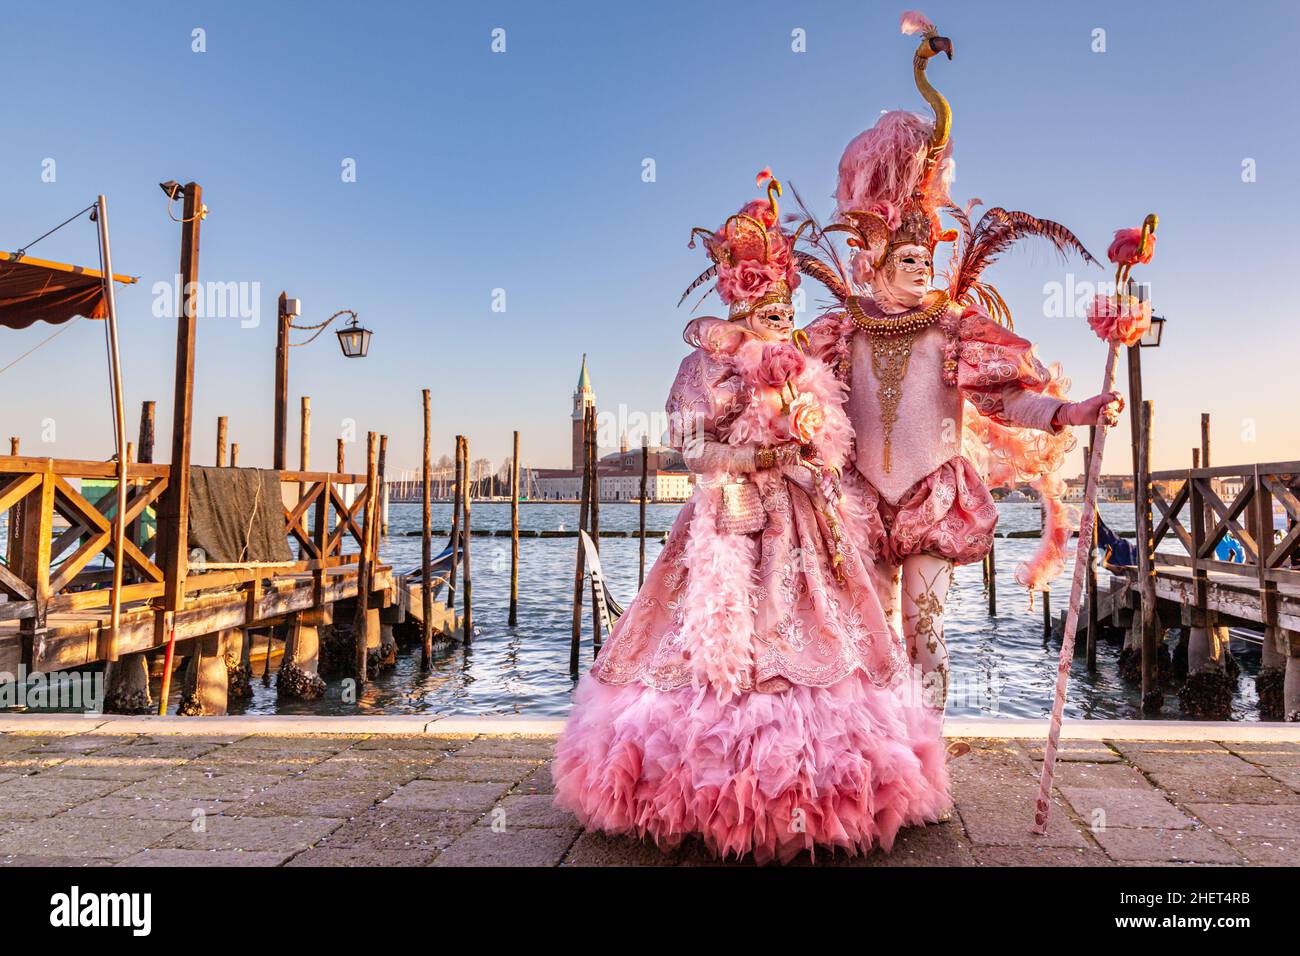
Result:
pixel 938 383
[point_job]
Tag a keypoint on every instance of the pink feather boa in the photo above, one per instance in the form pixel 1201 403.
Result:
pixel 719 603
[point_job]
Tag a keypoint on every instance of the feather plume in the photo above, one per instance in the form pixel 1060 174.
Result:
pixel 818 240
pixel 702 278
pixel 914 21
pixel 996 232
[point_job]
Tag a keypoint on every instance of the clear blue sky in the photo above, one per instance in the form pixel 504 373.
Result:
pixel 522 171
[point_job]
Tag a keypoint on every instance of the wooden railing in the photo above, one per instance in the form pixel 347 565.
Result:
pixel 1271 559
pixel 46 570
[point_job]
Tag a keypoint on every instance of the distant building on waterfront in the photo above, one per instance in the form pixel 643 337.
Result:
pixel 667 477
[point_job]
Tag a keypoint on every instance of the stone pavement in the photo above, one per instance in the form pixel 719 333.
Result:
pixel 418 799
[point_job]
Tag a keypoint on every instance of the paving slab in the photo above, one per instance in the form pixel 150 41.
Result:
pixel 480 770
pixel 253 833
pixel 527 810
pixel 1105 807
pixel 482 846
pixel 447 795
pixel 85 837
pixel 46 795
pixel 1173 846
pixel 170 856
pixel 385 828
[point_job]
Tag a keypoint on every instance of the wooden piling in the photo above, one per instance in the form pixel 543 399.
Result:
pixel 426 544
pixel 455 528
pixel 222 428
pixel 467 589
pixel 145 443
pixel 1151 695
pixel 645 484
pixel 13 547
pixel 339 457
pixel 304 441
pixel 991 558
pixel 514 534
pixel 364 559
pixel 381 526
pixel 593 465
pixel 580 568
pixel 234 454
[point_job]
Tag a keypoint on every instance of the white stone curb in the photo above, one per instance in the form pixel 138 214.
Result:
pixel 1003 728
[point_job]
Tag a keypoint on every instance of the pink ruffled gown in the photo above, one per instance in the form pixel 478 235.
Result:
pixel 748 696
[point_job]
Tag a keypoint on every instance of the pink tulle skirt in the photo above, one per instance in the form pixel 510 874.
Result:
pixel 771 774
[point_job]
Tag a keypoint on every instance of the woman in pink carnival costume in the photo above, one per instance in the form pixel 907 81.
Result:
pixel 754 694
pixel 944 398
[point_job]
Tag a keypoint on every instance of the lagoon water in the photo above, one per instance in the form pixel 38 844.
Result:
pixel 1001 665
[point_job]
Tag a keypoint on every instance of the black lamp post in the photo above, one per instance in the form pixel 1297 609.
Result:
pixel 354 340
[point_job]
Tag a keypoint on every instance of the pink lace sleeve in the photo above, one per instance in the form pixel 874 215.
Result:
pixel 999 373
pixel 707 394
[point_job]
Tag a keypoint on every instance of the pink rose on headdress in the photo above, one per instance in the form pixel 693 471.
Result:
pixel 887 211
pixel 1124 248
pixel 746 280
pixel 780 364
pixel 1123 320
pixel 805 418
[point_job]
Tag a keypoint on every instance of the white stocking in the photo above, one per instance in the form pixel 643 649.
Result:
pixel 925 588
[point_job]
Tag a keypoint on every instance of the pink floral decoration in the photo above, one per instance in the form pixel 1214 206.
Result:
pixel 1123 320
pixel 805 418
pixel 779 365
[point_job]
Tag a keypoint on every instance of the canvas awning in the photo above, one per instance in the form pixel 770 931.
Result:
pixel 37 290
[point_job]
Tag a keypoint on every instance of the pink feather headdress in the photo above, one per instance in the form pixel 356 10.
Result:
pixel 894 177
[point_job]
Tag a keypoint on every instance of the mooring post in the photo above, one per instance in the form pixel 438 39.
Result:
pixel 645 484
pixel 593 462
pixel 580 569
pixel 362 617
pixel 455 530
pixel 222 428
pixel 1152 697
pixel 304 441
pixel 381 529
pixel 992 560
pixel 13 549
pixel 514 534
pixel 426 543
pixel 467 601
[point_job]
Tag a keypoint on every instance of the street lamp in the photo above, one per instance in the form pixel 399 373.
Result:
pixel 354 340
pixel 1151 338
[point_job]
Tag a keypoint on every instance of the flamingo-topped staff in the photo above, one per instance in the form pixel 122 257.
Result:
pixel 1117 320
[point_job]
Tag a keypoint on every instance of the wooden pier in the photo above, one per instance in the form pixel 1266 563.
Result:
pixel 1194 590
pixel 55 613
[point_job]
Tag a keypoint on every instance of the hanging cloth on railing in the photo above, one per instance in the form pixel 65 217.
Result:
pixel 237 517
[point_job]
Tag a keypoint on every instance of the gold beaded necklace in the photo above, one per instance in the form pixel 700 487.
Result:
pixel 892 338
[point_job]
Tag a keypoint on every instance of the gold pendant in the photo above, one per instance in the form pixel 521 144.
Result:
pixel 889 360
